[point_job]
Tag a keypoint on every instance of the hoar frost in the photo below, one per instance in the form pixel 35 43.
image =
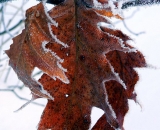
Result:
pixel 58 62
pixel 111 4
pixel 117 76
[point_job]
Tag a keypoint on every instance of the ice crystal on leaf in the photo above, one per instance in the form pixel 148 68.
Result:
pixel 85 64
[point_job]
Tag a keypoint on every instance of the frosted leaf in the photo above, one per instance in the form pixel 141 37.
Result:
pixel 92 56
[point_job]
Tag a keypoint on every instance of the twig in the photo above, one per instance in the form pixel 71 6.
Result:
pixel 133 13
pixel 8 39
pixel 15 26
pixel 5 80
pixel 12 90
pixel 139 3
pixel 4 26
pixel 39 72
pixel 130 30
pixel 15 86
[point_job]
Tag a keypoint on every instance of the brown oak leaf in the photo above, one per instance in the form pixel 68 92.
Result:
pixel 85 64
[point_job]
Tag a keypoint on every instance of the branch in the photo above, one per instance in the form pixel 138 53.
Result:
pixel 13 91
pixel 12 28
pixel 139 3
pixel 136 34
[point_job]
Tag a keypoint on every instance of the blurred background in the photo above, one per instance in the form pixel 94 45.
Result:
pixel 141 24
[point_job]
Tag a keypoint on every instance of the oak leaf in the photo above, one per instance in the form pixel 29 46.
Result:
pixel 85 65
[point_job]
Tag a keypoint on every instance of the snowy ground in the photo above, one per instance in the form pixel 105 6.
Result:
pixel 148 88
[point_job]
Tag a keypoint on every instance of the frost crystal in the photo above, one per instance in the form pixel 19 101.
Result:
pixel 46 12
pixel 55 37
pixel 110 107
pixel 126 49
pixel 46 93
pixel 111 4
pixel 108 104
pixel 58 62
pixel 98 4
pixel 117 76
pixel 107 25
pixel 52 22
pixel 44 43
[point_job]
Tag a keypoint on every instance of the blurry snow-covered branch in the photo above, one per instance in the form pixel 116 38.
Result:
pixel 133 3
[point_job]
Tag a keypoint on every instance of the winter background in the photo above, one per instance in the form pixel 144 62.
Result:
pixel 139 117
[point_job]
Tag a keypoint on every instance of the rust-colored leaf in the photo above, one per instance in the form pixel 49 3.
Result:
pixel 84 65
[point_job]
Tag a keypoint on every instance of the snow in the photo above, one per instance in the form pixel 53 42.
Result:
pixel 147 89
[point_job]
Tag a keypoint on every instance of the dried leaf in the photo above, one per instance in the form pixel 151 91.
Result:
pixel 84 65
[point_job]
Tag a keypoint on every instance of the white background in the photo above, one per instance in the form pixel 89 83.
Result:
pixel 146 117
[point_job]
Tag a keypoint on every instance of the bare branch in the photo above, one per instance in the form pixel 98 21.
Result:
pixel 139 3
pixel 13 91
pixel 131 30
pixel 15 26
